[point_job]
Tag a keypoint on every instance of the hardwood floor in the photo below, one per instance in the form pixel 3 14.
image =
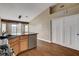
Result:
pixel 49 49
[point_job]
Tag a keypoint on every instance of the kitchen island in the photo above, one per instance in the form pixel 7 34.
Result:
pixel 23 42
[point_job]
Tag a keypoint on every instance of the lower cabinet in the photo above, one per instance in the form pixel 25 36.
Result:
pixel 16 48
pixel 14 44
pixel 23 43
pixel 18 44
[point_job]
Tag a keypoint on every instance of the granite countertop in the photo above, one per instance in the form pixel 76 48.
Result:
pixel 14 36
pixel 30 33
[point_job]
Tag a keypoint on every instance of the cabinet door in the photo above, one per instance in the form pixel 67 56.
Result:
pixel 23 44
pixel 14 44
pixel 57 31
pixel 54 31
pixel 75 32
pixel 67 31
pixel 16 48
pixel 71 31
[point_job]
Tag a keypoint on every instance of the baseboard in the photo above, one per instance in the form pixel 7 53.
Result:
pixel 66 46
pixel 44 40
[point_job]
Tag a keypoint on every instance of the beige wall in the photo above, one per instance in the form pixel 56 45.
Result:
pixel 41 24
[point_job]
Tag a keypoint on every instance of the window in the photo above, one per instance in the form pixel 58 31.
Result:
pixel 13 29
pixel 26 28
pixel 19 29
pixel 3 27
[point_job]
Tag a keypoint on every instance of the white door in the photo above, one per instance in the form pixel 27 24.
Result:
pixel 57 31
pixel 54 31
pixel 75 32
pixel 71 31
pixel 67 31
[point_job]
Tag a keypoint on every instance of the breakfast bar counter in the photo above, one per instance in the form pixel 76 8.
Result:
pixel 20 43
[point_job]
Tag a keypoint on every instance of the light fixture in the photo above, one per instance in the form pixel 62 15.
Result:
pixel 19 16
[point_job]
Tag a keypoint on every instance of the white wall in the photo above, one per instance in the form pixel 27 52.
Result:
pixel 41 25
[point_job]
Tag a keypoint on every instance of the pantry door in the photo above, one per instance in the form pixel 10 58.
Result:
pixel 57 31
pixel 75 32
pixel 67 31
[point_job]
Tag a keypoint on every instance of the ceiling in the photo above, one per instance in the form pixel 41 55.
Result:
pixel 28 11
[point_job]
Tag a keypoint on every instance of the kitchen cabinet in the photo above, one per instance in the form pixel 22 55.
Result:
pixel 14 44
pixel 71 29
pixel 23 43
pixel 67 31
pixel 57 31
pixel 75 32
pixel 16 48
pixel 19 44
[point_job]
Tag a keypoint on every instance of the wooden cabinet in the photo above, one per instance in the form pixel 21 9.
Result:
pixel 14 44
pixel 19 43
pixel 16 48
pixel 23 43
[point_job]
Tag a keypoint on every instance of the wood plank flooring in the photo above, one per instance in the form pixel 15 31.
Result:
pixel 49 49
